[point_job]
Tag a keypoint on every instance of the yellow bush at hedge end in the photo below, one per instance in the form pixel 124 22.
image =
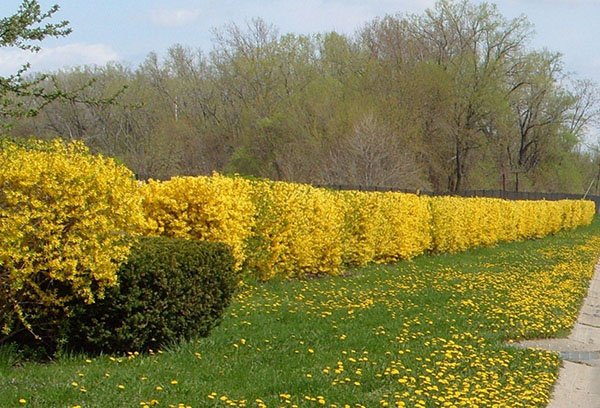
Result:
pixel 462 223
pixel 213 208
pixel 65 221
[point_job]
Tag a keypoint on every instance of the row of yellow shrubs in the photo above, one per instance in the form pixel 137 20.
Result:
pixel 67 218
pixel 288 230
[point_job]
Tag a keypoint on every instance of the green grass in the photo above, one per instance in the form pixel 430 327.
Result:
pixel 430 332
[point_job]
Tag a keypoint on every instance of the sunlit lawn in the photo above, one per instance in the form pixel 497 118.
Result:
pixel 425 333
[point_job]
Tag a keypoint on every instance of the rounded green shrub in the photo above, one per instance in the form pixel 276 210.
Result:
pixel 169 289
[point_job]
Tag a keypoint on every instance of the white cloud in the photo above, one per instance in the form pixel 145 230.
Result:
pixel 174 18
pixel 53 58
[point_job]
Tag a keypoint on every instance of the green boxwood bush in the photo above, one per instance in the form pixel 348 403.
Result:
pixel 169 290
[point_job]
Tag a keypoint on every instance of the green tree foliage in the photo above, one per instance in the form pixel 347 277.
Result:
pixel 454 98
pixel 24 30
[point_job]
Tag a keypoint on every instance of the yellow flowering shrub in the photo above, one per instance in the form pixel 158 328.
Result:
pixel 402 226
pixel 360 227
pixel 588 210
pixel 449 224
pixel 581 213
pixel 385 227
pixel 528 218
pixel 463 223
pixel 66 217
pixel 298 231
pixel 279 229
pixel 217 209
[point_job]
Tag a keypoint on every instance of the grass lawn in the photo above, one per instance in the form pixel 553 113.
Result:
pixel 425 333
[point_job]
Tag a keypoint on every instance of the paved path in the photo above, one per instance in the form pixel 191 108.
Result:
pixel 578 384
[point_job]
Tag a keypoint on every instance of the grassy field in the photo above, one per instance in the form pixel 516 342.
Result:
pixel 425 333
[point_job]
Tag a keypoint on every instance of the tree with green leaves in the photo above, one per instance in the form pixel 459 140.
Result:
pixel 454 98
pixel 25 30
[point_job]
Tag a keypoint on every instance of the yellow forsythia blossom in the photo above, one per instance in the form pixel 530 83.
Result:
pixel 280 229
pixel 360 227
pixel 66 218
pixel 385 227
pixel 403 226
pixel 213 208
pixel 463 223
pixel 298 231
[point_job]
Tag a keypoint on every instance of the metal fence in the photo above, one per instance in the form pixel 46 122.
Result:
pixel 507 195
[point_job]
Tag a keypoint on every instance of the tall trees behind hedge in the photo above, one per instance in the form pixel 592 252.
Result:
pixel 451 99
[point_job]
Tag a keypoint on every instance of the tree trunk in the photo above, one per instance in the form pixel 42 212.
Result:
pixel 458 161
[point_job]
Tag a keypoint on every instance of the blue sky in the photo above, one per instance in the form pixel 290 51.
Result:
pixel 127 30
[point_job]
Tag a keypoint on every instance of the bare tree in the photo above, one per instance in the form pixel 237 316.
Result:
pixel 372 155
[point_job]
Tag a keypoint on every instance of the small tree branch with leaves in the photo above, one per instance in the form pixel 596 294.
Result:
pixel 24 30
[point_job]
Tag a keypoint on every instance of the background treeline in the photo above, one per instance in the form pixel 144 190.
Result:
pixel 452 99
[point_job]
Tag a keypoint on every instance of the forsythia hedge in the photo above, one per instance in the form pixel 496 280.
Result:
pixel 67 216
pixel 384 227
pixel 280 229
pixel 463 223
pixel 297 231
pixel 65 220
pixel 217 209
